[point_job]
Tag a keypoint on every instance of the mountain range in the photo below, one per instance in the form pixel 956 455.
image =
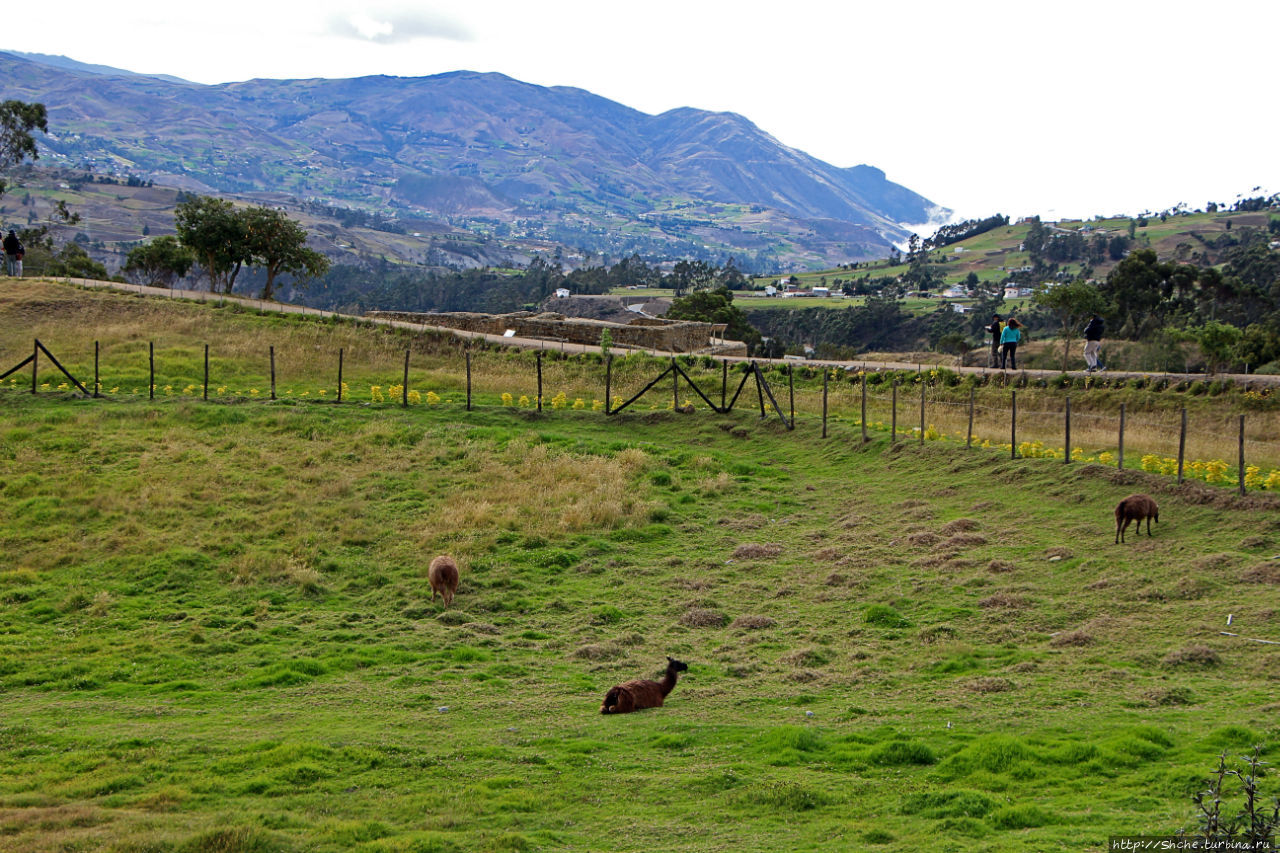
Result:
pixel 477 159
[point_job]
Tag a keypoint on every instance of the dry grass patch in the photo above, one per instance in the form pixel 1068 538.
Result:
pixel 961 541
pixel 989 684
pixel 1004 601
pixel 805 658
pixel 692 584
pixel 599 651
pixel 960 525
pixel 1001 566
pixel 701 617
pixel 829 555
pixel 1192 656
pixel 1268 573
pixel 1072 639
pixel 753 622
pixel 1060 553
pixel 924 539
pixel 757 551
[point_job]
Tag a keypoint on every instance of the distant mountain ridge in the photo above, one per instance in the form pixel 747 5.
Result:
pixel 499 159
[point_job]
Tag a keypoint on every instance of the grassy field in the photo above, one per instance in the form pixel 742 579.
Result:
pixel 216 633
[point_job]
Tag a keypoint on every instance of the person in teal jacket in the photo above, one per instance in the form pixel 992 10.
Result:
pixel 1009 344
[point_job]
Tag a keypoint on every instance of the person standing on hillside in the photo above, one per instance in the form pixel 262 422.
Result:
pixel 1009 344
pixel 1093 344
pixel 13 253
pixel 994 330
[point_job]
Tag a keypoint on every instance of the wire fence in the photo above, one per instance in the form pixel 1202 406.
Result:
pixel 1227 449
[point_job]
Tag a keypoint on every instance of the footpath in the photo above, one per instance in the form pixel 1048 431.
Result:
pixel 1251 381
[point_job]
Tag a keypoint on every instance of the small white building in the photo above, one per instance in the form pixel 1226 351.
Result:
pixel 562 293
pixel 822 291
pixel 1013 292
pixel 955 293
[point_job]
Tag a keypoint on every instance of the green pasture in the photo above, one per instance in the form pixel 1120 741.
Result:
pixel 216 633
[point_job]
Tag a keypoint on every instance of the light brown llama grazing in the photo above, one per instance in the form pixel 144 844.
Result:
pixel 1135 508
pixel 443 576
pixel 642 693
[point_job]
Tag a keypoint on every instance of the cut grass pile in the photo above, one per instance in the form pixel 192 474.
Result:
pixel 216 635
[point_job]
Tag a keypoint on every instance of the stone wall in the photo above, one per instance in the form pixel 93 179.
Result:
pixel 646 333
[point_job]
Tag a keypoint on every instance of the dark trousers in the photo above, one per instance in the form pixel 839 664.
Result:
pixel 995 353
pixel 1009 352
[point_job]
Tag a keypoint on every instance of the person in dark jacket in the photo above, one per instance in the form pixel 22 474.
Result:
pixel 13 253
pixel 994 330
pixel 1093 344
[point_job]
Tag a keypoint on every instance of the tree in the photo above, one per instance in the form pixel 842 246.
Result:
pixel 211 228
pixel 716 306
pixel 690 275
pixel 278 244
pixel 1218 343
pixel 17 122
pixel 1071 304
pixel 159 263
pixel 74 262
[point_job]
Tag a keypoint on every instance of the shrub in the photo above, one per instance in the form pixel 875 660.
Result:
pixel 884 616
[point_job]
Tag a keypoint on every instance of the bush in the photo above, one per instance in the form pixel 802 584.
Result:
pixel 884 616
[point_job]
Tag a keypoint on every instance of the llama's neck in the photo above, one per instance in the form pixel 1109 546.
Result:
pixel 668 682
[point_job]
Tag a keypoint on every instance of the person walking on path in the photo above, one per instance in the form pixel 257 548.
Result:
pixel 13 253
pixel 1009 344
pixel 994 330
pixel 1093 344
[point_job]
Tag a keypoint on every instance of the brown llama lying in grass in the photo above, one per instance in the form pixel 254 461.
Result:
pixel 1135 508
pixel 443 576
pixel 642 693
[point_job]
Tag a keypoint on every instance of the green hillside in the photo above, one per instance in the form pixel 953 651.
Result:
pixel 216 632
pixel 990 256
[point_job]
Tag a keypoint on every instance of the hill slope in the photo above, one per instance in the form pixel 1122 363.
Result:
pixel 216 632
pixel 483 152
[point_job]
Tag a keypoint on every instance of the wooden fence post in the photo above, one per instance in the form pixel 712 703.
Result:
pixel 968 438
pixel 35 361
pixel 1120 461
pixel 608 385
pixel 272 350
pixel 1182 443
pixel 675 385
pixel 468 380
pixel 151 373
pixel 206 372
pixel 922 389
pixel 1241 462
pixel 340 374
pixel 724 382
pixel 1013 424
pixel 865 439
pixel 825 371
pixel 1068 447
pixel 539 380
pixel 893 422
pixel 791 386
pixel 759 388
pixel 404 386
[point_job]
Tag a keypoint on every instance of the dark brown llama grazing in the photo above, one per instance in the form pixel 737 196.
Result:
pixel 1135 508
pixel 443 576
pixel 642 693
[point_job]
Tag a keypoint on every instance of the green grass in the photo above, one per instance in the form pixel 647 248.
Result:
pixel 216 633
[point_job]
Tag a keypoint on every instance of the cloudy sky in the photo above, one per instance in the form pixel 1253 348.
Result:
pixel 1066 109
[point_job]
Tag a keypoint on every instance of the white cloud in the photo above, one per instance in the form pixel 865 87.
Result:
pixel 396 26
